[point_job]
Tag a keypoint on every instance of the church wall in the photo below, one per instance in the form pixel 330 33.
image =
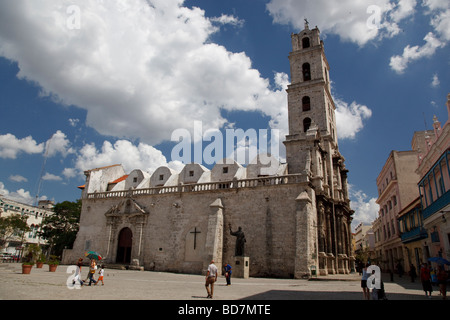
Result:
pixel 167 242
pixel 91 235
pixel 257 211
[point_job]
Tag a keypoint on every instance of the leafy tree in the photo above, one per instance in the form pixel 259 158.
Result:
pixel 12 226
pixel 60 229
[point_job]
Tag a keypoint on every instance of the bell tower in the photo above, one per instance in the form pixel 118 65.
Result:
pixel 312 149
pixel 312 144
pixel 309 96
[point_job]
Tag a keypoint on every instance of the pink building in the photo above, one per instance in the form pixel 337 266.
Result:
pixel 434 188
pixel 414 198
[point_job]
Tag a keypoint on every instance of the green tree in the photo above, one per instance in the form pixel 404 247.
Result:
pixel 11 227
pixel 60 229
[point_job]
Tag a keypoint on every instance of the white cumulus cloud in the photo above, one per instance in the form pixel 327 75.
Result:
pixel 123 152
pixel 439 12
pixel 17 178
pixel 435 83
pixel 58 143
pixel 362 22
pixel 140 68
pixel 365 208
pixel 20 195
pixel 11 146
pixel 354 21
pixel 51 177
pixel 400 62
pixel 349 118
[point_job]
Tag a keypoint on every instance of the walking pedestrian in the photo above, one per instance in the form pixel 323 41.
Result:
pixel 92 269
pixel 425 277
pixel 211 277
pixel 442 281
pixel 77 276
pixel 365 276
pixel 80 263
pixel 227 269
pixel 434 281
pixel 378 294
pixel 101 272
pixel 412 272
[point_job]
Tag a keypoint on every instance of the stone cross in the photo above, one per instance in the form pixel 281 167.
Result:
pixel 195 237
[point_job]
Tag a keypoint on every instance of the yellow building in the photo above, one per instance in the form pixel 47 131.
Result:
pixel 412 233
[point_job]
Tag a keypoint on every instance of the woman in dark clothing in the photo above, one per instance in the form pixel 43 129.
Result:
pixel 425 277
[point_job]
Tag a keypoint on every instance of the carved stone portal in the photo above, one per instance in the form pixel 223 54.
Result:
pixel 125 215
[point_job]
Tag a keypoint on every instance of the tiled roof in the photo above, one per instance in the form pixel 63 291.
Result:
pixel 120 179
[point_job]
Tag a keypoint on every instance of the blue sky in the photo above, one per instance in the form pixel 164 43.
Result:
pixel 86 84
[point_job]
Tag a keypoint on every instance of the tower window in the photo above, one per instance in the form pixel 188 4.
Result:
pixel 306 124
pixel 306 103
pixel 306 72
pixel 306 43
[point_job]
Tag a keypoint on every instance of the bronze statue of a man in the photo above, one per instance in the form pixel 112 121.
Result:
pixel 240 241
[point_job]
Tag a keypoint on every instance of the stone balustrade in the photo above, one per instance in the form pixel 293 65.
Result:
pixel 204 187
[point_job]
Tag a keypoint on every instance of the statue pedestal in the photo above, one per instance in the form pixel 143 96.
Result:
pixel 241 268
pixel 135 265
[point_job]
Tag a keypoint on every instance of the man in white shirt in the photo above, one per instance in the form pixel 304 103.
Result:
pixel 211 277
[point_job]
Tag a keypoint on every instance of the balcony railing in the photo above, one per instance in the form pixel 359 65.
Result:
pixel 440 203
pixel 202 187
pixel 414 235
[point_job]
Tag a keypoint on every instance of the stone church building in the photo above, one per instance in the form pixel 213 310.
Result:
pixel 296 217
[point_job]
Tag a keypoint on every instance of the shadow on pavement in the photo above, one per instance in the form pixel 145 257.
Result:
pixel 322 295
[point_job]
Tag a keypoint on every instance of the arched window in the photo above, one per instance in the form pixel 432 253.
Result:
pixel 306 72
pixel 32 232
pixel 306 103
pixel 306 43
pixel 35 231
pixel 306 124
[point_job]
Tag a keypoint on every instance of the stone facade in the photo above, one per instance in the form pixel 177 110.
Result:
pixel 296 216
pixel 312 149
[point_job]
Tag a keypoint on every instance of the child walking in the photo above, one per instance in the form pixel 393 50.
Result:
pixel 100 278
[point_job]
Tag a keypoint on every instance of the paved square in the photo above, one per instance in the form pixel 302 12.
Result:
pixel 146 285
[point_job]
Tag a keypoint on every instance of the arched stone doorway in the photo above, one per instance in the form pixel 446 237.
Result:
pixel 124 246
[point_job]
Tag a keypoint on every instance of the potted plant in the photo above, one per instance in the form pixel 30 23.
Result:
pixel 53 263
pixel 29 258
pixel 26 267
pixel 40 261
